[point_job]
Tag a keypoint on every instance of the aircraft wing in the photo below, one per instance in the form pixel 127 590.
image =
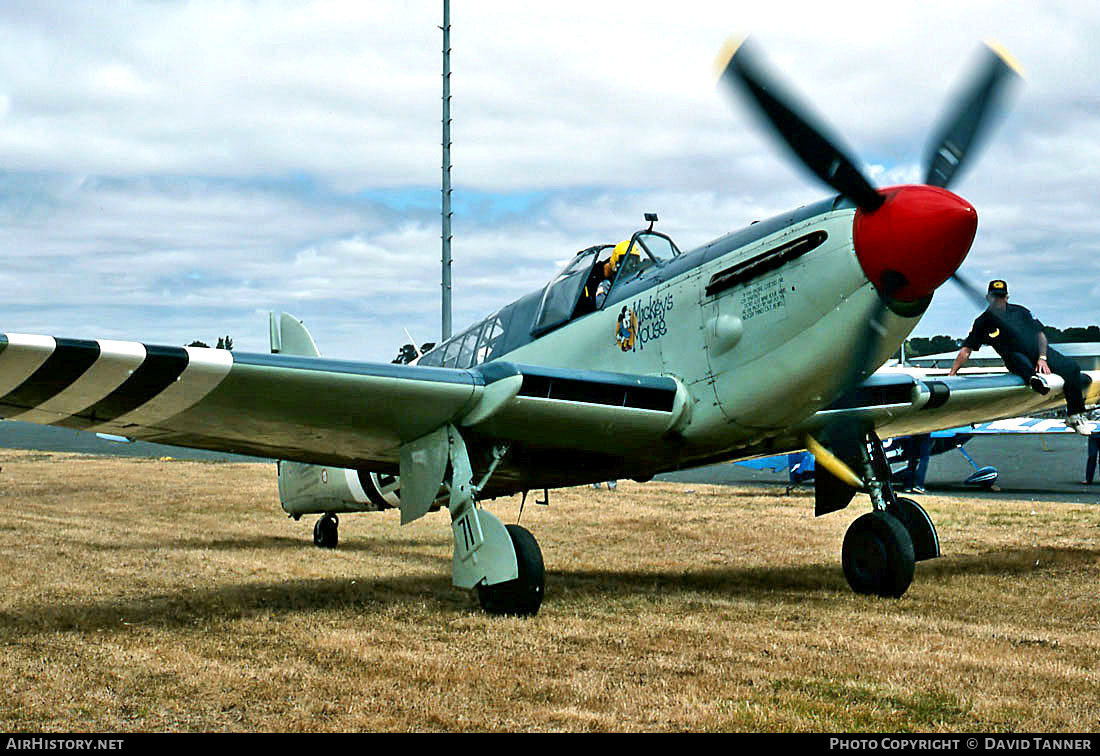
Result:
pixel 323 411
pixel 1010 426
pixel 776 463
pixel 903 405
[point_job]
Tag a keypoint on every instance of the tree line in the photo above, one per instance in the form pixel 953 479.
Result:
pixel 920 346
pixel 224 342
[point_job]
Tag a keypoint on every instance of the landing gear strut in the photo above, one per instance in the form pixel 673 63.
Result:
pixel 475 562
pixel 881 548
pixel 503 563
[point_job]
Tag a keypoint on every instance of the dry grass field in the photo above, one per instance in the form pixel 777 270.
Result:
pixel 145 595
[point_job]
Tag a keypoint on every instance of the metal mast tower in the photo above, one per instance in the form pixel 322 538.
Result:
pixel 446 284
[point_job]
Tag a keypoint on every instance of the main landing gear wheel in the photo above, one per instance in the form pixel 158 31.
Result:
pixel 523 596
pixel 878 555
pixel 326 532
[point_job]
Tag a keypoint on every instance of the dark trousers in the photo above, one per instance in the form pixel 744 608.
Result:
pixel 917 467
pixel 1094 451
pixel 1024 366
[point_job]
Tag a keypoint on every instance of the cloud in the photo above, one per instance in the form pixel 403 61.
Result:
pixel 173 170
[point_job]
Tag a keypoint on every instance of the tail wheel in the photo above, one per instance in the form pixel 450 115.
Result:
pixel 523 596
pixel 878 555
pixel 326 533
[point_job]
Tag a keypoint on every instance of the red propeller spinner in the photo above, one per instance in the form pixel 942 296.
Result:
pixel 921 232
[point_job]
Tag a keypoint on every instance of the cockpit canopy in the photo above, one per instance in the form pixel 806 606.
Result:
pixel 573 292
pixel 569 295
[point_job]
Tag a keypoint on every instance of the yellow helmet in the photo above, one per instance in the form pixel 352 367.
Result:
pixel 620 251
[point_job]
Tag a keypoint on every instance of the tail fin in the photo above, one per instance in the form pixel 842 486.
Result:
pixel 289 336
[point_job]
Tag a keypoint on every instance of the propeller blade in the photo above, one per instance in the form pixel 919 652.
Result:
pixel 966 123
pixel 833 463
pixel 973 292
pixel 845 434
pixel 807 137
pixel 864 359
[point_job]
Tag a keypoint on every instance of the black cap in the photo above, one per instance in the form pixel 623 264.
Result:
pixel 998 288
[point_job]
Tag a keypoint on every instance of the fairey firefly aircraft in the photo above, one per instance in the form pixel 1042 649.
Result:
pixel 757 343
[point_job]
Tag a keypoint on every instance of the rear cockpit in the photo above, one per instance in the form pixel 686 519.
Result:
pixel 472 347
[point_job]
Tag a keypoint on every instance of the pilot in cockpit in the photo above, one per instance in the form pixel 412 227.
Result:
pixel 599 284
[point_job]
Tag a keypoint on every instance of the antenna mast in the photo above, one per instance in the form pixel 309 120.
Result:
pixel 446 283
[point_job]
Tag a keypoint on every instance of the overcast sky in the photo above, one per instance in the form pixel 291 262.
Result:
pixel 171 171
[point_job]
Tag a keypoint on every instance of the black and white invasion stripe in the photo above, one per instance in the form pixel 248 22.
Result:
pixel 90 385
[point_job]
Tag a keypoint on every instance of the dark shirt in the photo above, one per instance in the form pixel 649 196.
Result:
pixel 587 301
pixel 1014 330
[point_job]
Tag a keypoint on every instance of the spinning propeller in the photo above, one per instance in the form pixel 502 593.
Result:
pixel 908 239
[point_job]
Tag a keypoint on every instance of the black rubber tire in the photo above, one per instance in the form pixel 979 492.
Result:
pixel 326 533
pixel 521 597
pixel 878 556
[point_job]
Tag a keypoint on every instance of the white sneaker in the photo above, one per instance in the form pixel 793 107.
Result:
pixel 1078 423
